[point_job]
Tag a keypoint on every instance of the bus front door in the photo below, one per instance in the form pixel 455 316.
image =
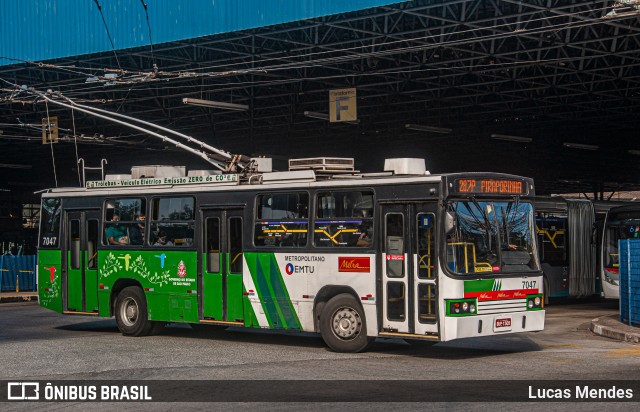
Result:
pixel 409 274
pixel 80 271
pixel 221 266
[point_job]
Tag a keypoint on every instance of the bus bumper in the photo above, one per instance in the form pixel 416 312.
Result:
pixel 610 291
pixel 492 325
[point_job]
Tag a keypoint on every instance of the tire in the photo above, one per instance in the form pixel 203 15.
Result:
pixel 131 312
pixel 343 326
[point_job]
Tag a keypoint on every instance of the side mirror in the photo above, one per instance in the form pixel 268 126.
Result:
pixel 448 222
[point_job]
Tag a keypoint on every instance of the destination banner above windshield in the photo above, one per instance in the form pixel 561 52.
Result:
pixel 163 181
pixel 490 186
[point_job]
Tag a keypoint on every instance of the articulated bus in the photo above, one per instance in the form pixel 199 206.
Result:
pixel 621 223
pixel 570 233
pixel 351 256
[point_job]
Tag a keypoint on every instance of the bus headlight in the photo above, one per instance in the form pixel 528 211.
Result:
pixel 534 302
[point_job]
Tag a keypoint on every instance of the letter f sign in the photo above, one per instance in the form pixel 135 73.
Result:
pixel 342 105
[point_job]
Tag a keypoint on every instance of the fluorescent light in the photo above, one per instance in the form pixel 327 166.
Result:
pixel 432 129
pixel 581 146
pixel 512 138
pixel 214 104
pixel 14 166
pixel 634 152
pixel 324 116
pixel 316 115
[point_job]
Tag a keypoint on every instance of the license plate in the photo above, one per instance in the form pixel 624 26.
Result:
pixel 502 324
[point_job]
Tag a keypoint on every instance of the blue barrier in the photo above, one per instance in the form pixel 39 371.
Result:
pixel 20 268
pixel 629 281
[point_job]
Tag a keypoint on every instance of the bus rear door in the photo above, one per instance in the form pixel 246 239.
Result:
pixel 222 266
pixel 409 274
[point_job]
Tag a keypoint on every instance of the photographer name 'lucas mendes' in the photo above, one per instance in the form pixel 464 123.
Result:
pixel 580 392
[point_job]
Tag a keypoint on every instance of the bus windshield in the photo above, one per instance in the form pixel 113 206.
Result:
pixel 620 226
pixel 491 236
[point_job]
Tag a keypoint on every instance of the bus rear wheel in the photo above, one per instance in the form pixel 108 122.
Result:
pixel 342 324
pixel 131 312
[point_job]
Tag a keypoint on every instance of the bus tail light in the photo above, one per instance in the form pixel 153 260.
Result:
pixel 461 307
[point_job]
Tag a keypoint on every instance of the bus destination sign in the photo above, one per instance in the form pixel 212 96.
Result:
pixel 491 186
pixel 158 181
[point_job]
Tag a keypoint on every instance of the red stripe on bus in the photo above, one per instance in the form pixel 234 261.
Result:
pixel 501 294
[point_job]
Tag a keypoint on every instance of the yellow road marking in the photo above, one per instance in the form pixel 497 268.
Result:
pixel 624 352
pixel 563 345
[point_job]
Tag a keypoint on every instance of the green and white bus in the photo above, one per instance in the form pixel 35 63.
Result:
pixel 352 256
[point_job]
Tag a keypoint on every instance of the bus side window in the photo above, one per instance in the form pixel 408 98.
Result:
pixel 74 244
pixel 213 244
pixel 92 242
pixel 394 242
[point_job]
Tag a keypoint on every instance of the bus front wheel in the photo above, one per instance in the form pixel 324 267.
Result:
pixel 342 324
pixel 131 312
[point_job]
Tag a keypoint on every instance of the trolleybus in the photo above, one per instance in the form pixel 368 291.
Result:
pixel 352 256
pixel 570 234
pixel 621 223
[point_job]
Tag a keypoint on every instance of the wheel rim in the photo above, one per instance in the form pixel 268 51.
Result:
pixel 129 311
pixel 346 323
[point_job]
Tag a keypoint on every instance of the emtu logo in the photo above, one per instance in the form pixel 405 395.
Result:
pixel 289 269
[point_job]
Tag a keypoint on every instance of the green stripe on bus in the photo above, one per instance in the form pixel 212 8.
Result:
pixel 254 262
pixel 478 285
pixel 250 318
pixel 282 297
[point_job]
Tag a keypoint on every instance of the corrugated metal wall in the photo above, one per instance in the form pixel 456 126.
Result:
pixel 44 29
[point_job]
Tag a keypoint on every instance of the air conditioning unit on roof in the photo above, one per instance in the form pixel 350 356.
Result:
pixel 138 172
pixel 338 164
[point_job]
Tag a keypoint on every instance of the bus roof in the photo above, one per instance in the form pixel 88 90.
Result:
pixel 274 180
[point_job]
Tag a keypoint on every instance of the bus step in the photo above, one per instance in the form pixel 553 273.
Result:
pixel 407 335
pixel 221 322
pixel 72 312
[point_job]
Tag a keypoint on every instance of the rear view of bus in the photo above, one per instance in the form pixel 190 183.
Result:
pixel 621 223
pixel 492 279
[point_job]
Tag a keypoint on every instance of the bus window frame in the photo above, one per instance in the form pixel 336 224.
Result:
pixel 149 221
pixel 442 253
pixel 58 245
pixel 255 219
pixel 104 243
pixel 374 220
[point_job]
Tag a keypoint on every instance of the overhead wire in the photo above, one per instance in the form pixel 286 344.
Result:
pixel 146 12
pixel 75 142
pixel 340 59
pixel 113 47
pixel 47 132
pixel 329 60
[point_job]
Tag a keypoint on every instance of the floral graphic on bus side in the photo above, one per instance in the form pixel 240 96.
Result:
pixel 139 267
pixel 53 292
pixel 112 265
